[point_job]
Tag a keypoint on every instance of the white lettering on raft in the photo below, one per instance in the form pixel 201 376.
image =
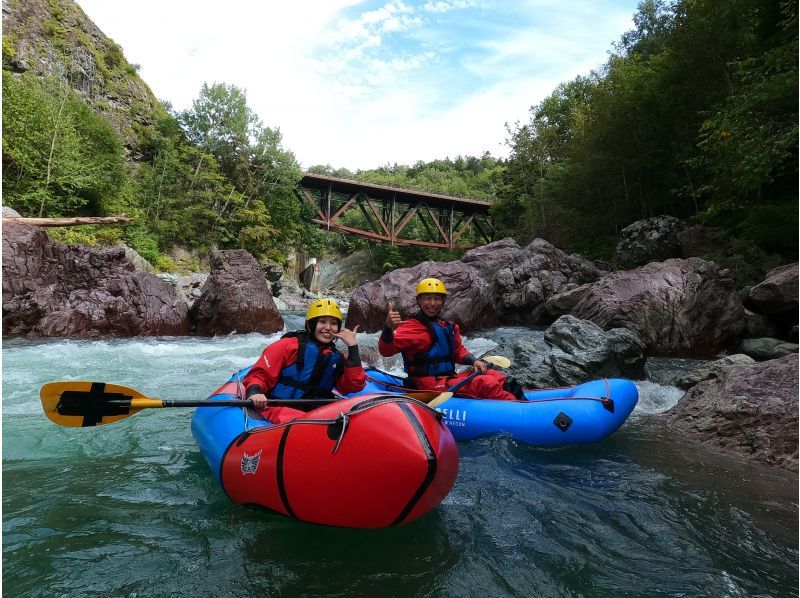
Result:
pixel 454 417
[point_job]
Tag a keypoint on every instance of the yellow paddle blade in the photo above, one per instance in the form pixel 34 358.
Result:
pixel 82 404
pixel 440 399
pixel 498 360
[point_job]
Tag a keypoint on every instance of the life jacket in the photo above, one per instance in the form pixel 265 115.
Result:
pixel 313 374
pixel 438 359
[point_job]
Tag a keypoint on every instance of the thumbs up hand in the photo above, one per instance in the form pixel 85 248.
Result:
pixel 393 318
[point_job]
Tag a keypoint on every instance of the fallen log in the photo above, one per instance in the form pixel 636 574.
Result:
pixel 52 222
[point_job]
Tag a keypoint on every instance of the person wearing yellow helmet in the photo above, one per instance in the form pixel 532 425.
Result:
pixel 431 347
pixel 306 364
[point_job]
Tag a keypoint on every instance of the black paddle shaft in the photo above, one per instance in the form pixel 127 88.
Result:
pixel 248 403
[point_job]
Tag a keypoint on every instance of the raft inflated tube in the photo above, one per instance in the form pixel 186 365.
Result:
pixel 365 462
pixel 551 417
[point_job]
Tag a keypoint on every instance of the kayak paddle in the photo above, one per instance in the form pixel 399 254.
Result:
pixel 451 391
pixel 82 404
pixel 498 360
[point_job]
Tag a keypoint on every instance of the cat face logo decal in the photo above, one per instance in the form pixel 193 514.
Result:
pixel 250 463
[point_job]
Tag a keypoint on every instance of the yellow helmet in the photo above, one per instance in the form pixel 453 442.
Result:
pixel 431 285
pixel 324 307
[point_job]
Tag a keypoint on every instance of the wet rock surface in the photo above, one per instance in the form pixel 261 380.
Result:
pixel 710 370
pixel 574 351
pixel 750 411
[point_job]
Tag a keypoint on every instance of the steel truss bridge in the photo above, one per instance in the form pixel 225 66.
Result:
pixel 444 222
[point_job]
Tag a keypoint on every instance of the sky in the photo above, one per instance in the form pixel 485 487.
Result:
pixel 362 84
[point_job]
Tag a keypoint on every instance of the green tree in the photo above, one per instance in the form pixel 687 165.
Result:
pixel 60 157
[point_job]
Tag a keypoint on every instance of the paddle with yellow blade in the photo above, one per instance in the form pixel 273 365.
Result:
pixel 497 360
pixel 82 404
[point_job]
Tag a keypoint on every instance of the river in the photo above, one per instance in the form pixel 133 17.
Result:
pixel 130 509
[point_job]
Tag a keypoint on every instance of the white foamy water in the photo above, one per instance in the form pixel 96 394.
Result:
pixel 655 398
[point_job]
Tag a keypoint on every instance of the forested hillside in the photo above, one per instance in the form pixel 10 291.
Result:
pixel 693 115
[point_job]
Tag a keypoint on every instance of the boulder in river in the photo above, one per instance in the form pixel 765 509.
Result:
pixel 750 411
pixel 679 307
pixel 235 298
pixel 469 301
pixel 488 259
pixel 55 290
pixel 574 351
pixel 536 274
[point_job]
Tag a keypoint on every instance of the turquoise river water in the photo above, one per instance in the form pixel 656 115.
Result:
pixel 130 509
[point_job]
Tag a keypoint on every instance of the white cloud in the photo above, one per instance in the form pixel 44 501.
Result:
pixel 399 83
pixel 442 6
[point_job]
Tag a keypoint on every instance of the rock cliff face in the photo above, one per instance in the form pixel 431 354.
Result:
pixel 75 291
pixel 55 38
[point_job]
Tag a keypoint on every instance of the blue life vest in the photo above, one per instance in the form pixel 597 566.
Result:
pixel 438 359
pixel 312 375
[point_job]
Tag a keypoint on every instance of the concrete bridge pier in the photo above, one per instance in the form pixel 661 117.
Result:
pixel 309 276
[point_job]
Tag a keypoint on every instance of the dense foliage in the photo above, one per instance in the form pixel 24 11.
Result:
pixel 694 115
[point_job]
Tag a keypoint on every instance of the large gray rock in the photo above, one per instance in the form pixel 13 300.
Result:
pixel 574 351
pixel 56 290
pixel 469 301
pixel 650 240
pixel 235 298
pixel 750 411
pixel 762 349
pixel 777 293
pixel 711 369
pixel 679 307
pixel 539 272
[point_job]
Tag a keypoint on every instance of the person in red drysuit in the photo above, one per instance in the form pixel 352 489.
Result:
pixel 431 346
pixel 306 365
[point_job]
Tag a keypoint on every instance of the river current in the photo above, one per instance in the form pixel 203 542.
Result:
pixel 130 509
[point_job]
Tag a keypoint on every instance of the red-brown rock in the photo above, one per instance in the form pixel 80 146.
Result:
pixel 56 290
pixel 777 293
pixel 750 411
pixel 537 273
pixel 235 298
pixel 677 307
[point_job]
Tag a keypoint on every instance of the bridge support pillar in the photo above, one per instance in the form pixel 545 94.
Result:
pixel 309 277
